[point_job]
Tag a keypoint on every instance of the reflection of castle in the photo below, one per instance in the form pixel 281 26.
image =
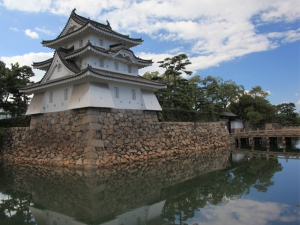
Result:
pixel 128 195
pixel 137 216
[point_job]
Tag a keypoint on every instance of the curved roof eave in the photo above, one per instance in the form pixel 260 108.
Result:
pixel 89 72
pixel 133 41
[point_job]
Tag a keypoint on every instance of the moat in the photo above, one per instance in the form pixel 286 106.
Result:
pixel 231 189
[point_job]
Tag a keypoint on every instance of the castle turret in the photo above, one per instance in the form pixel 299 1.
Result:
pixel 92 66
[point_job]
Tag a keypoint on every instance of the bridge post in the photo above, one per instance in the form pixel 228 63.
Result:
pixel 283 144
pixel 286 158
pixel 239 142
pixel 252 142
pixel 268 143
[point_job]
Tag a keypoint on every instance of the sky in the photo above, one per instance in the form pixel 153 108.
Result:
pixel 250 42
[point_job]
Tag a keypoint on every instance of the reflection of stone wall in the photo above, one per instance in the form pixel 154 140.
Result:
pixel 105 193
pixel 92 138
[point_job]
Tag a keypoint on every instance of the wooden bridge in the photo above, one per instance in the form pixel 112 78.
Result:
pixel 269 136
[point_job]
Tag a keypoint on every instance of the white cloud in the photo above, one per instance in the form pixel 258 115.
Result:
pixel 215 31
pixel 42 30
pixel 28 59
pixel 31 34
pixel 14 28
pixel 298 103
pixel 297 94
pixel 286 36
pixel 155 58
pixel 27 5
pixel 242 211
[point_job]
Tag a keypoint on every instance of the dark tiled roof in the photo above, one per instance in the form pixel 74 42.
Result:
pixel 71 65
pixel 126 77
pixel 116 48
pixel 102 74
pixel 42 63
pixel 84 22
pixel 228 114
pixel 89 44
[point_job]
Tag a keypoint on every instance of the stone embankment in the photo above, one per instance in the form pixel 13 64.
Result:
pixel 91 138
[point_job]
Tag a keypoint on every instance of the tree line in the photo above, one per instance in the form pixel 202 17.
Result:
pixel 207 98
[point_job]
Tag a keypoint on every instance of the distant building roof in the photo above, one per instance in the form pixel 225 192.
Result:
pixel 228 114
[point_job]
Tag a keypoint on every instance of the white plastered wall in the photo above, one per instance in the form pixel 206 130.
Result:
pixel 150 100
pixel 54 72
pixel 125 99
pixel 80 96
pixel 58 95
pixel 37 104
pixel 155 210
pixel 93 94
pixel 100 95
pixel 237 124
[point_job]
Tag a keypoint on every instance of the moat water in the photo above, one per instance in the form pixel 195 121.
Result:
pixel 234 188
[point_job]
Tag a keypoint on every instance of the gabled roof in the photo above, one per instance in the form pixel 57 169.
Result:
pixel 44 65
pixel 87 23
pixel 121 46
pixel 100 74
pixel 67 63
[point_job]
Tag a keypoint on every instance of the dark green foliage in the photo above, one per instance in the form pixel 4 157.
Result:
pixel 253 107
pixel 21 121
pixel 12 101
pixel 286 114
pixel 14 208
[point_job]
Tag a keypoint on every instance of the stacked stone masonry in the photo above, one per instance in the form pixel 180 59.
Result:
pixel 91 138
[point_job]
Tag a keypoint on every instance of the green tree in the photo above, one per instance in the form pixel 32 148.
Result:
pixel 219 92
pixel 175 66
pixel 253 107
pixel 12 101
pixel 286 114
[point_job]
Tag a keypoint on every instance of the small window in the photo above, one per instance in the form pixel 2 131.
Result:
pixel 133 94
pixel 58 68
pixel 80 43
pixel 66 94
pixel 116 92
pixel 50 97
pixel 101 64
pixel 129 69
pixel 100 42
pixel 116 66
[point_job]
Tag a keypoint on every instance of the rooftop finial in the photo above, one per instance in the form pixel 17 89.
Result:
pixel 108 24
pixel 73 11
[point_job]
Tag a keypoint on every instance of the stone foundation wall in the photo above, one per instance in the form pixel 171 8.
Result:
pixel 92 137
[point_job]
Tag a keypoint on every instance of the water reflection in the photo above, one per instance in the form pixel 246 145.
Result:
pixel 206 190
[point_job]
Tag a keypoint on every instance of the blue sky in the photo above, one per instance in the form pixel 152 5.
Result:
pixel 250 42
